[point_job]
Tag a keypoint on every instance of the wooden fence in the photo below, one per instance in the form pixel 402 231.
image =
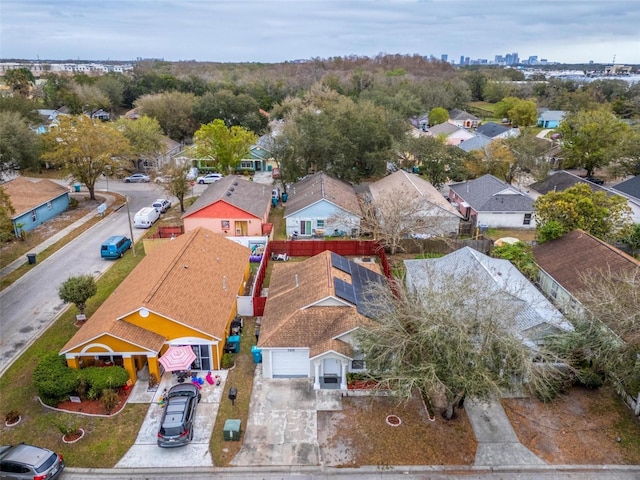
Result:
pixel 309 248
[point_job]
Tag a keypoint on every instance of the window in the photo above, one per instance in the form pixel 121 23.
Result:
pixel 49 206
pixel 320 223
pixel 527 219
pixel 554 290
pixel 34 216
pixel 225 224
pixel 357 364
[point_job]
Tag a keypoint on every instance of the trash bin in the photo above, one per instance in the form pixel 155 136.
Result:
pixel 234 342
pixel 32 258
pixel 285 197
pixel 257 354
pixel 232 429
pixel 76 187
pixel 274 202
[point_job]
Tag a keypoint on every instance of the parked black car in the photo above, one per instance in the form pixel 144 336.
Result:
pixel 21 462
pixel 176 426
pixel 596 180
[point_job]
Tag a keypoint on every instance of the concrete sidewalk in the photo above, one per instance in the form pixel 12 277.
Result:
pixel 498 444
pixel 17 263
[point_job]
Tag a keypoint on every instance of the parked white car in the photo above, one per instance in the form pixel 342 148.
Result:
pixel 162 205
pixel 209 178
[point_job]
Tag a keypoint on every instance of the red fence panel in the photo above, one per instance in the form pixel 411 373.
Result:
pixel 309 248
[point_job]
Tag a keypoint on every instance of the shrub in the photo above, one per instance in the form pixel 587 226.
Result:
pixel 66 424
pixel 109 399
pixel 102 378
pixel 54 380
pixel 12 416
pixel 589 379
pixel 73 203
pixel 227 360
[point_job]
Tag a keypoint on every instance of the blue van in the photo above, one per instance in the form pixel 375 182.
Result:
pixel 114 247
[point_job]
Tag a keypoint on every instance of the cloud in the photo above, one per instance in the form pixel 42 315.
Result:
pixel 267 31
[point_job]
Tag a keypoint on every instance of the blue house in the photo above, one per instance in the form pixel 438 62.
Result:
pixel 321 205
pixel 550 118
pixel 35 200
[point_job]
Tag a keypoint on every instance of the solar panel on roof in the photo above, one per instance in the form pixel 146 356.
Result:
pixel 344 290
pixel 340 263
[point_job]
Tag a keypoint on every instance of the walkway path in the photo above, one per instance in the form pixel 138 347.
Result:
pixel 498 444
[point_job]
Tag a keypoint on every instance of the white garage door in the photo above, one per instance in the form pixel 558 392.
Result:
pixel 290 363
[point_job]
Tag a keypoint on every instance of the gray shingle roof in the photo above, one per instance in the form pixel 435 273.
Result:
pixel 476 143
pixel 631 187
pixel 456 114
pixel 495 274
pixel 254 198
pixel 491 129
pixel 488 194
pixel 560 181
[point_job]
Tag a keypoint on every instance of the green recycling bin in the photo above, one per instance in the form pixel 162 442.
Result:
pixel 76 187
pixel 232 429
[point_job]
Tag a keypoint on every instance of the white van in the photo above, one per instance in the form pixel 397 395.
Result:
pixel 146 217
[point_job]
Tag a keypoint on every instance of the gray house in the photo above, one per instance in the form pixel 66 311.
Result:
pixel 492 202
pixel 536 317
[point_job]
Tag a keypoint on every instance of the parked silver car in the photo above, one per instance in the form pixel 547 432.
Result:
pixel 22 462
pixel 137 178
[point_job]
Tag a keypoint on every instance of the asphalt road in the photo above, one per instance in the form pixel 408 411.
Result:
pixel 31 304
pixel 603 472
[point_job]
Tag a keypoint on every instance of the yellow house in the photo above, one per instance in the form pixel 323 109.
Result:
pixel 182 293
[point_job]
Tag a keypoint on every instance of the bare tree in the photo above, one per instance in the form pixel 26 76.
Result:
pixel 454 337
pixel 394 216
pixel 176 180
pixel 607 336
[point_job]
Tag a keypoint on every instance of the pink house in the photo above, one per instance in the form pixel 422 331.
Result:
pixel 232 207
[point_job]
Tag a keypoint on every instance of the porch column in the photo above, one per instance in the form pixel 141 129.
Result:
pixel 130 367
pixel 316 382
pixel 73 362
pixel 343 375
pixel 152 361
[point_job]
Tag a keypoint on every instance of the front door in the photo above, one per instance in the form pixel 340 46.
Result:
pixel 305 227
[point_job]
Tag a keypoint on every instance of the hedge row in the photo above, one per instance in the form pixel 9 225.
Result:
pixel 55 381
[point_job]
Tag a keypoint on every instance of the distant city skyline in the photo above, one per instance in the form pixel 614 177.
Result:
pixel 571 31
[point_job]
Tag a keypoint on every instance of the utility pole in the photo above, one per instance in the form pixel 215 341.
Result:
pixel 133 244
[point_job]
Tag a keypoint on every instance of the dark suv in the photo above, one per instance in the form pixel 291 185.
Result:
pixel 176 426
pixel 21 462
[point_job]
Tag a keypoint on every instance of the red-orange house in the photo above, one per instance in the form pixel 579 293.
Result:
pixel 232 207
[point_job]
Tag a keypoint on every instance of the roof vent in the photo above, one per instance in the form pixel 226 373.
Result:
pixel 231 189
pixel 296 280
pixel 235 183
pixel 228 194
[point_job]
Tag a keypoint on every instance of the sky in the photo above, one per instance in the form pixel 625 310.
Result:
pixel 266 31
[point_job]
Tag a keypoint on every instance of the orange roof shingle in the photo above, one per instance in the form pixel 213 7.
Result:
pixel 192 280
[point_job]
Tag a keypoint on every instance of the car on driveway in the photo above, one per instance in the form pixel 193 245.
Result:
pixel 162 205
pixel 137 178
pixel 21 462
pixel 596 180
pixel 176 426
pixel 209 178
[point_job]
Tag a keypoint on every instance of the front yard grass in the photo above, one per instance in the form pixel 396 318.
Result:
pixel 241 378
pixel 106 439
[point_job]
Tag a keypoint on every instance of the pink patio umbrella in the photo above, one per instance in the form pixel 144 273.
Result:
pixel 177 358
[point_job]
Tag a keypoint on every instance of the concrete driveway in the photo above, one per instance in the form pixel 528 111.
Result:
pixel 282 428
pixel 145 452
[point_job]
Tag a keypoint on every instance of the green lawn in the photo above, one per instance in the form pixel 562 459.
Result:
pixel 106 439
